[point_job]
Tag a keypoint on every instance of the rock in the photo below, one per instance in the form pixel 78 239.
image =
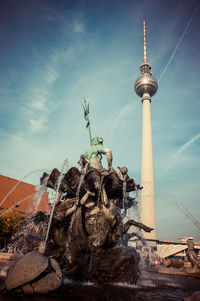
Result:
pixel 195 296
pixel 49 283
pixel 26 269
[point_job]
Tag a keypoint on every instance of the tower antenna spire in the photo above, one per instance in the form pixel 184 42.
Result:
pixel 145 45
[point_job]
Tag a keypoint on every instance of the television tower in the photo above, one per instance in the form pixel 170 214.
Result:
pixel 145 87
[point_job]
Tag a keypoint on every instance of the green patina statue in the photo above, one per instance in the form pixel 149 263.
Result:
pixel 94 153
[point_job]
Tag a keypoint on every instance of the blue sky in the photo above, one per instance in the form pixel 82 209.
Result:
pixel 53 54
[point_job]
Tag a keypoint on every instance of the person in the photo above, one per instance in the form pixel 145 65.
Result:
pixel 147 260
pixel 193 258
pixel 95 152
pixel 4 250
pixel 167 263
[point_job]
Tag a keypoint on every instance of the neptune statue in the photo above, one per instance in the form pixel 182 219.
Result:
pixel 87 230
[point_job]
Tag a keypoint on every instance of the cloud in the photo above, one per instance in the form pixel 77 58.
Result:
pixel 116 121
pixel 78 26
pixel 179 42
pixel 31 155
pixel 38 96
pixel 191 141
pixel 37 125
pixel 39 99
pixel 51 75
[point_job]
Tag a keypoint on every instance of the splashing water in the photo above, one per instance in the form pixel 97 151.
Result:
pixel 124 193
pixel 100 188
pixel 138 198
pixel 123 213
pixel 173 200
pixel 78 189
pixel 98 200
pixel 65 165
pixel 14 187
pixel 135 214
pixel 13 206
pixel 38 195
pixel 29 227
pixel 133 211
pixel 77 198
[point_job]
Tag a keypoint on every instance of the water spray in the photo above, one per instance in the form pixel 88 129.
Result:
pixel 182 208
pixel 14 187
pixel 42 246
pixel 15 205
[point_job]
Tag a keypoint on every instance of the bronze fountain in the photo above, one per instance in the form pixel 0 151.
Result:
pixel 85 236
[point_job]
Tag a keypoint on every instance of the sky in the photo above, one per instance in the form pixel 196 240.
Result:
pixel 55 54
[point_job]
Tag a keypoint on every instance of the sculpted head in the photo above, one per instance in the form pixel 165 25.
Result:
pixel 97 140
pixel 190 245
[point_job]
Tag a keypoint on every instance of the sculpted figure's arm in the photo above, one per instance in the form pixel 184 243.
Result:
pixel 86 196
pixel 108 157
pixel 93 154
pixel 57 200
pixel 104 196
pixel 82 202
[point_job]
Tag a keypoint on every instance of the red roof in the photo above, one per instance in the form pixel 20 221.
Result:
pixel 23 192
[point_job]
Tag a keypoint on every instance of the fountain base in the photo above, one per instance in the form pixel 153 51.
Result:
pixel 154 287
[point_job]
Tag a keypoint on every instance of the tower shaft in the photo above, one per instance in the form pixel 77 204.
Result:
pixel 146 86
pixel 147 210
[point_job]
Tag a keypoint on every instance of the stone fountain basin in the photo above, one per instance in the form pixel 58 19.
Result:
pixel 151 286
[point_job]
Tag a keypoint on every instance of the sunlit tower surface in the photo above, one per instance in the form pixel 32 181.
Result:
pixel 145 87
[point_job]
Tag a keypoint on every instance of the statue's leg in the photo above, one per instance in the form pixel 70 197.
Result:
pixel 110 211
pixel 86 196
pixel 70 210
pixel 130 223
pixel 104 196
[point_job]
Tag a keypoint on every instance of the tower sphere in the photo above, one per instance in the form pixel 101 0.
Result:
pixel 146 83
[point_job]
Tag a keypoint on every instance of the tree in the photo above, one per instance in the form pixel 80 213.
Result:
pixel 10 222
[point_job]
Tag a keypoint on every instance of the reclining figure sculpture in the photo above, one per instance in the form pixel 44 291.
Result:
pixel 192 258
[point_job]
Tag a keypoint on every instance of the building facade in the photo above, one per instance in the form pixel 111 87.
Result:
pixel 21 196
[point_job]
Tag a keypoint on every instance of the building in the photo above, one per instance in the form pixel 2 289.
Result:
pixel 21 196
pixel 166 248
pixel 145 87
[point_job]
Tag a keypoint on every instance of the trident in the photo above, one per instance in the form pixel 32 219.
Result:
pixel 86 113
